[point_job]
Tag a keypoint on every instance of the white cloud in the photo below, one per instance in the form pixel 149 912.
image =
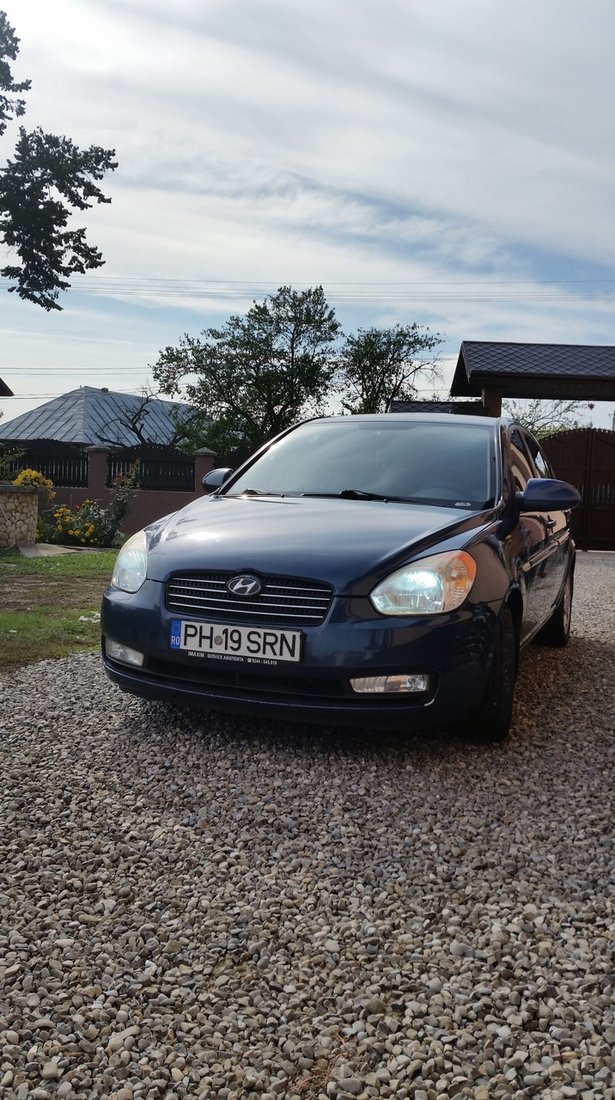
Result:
pixel 336 141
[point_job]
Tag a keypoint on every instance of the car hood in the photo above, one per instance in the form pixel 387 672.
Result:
pixel 341 542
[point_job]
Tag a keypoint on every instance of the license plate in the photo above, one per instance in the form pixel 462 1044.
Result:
pixel 249 642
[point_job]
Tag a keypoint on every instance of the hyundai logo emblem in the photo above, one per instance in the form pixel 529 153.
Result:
pixel 244 586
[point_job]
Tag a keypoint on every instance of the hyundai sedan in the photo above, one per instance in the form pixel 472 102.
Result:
pixel 380 570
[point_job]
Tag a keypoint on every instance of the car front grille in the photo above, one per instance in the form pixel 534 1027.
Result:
pixel 289 601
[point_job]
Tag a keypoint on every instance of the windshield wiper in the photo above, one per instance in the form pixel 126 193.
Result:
pixel 359 494
pixel 255 493
pixel 345 494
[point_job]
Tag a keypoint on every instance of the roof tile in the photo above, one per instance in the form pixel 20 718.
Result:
pixel 581 370
pixel 95 416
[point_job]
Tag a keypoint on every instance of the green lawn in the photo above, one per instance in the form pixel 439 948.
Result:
pixel 42 601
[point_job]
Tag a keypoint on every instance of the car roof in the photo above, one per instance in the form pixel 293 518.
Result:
pixel 428 418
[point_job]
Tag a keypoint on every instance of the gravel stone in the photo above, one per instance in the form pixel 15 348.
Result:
pixel 195 906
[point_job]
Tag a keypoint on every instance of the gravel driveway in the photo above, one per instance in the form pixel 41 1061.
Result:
pixel 192 906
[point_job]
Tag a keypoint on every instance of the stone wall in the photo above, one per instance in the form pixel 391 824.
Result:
pixel 18 514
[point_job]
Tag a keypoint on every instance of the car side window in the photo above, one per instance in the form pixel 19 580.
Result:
pixel 540 459
pixel 520 461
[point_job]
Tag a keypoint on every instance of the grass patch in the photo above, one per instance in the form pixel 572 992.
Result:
pixel 30 636
pixel 93 564
pixel 41 601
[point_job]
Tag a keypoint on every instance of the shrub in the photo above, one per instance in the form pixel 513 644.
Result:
pixel 123 489
pixel 8 461
pixel 89 524
pixel 37 481
pixel 83 525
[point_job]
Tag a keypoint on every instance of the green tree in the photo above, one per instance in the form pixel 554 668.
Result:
pixel 46 179
pixel 381 365
pixel 259 373
pixel 544 418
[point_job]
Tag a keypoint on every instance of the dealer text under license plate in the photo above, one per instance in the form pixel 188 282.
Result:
pixel 253 642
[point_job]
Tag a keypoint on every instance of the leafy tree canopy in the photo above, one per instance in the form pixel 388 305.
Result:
pixel 544 418
pixel 280 363
pixel 260 372
pixel 46 179
pixel 381 365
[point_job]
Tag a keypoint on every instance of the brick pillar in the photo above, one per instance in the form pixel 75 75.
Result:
pixel 203 463
pixel 97 472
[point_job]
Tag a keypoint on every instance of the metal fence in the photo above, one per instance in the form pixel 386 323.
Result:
pixel 154 473
pixel 160 469
pixel 70 471
pixel 586 458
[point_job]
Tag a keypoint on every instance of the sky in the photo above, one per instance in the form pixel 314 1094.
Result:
pixel 440 162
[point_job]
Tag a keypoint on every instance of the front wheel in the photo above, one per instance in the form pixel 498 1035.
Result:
pixel 491 719
pixel 556 630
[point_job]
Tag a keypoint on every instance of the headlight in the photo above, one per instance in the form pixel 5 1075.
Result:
pixel 131 564
pixel 426 587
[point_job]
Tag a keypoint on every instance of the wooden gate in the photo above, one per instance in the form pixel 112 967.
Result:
pixel 586 458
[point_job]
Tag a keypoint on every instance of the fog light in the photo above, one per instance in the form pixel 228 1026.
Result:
pixel 123 653
pixel 372 685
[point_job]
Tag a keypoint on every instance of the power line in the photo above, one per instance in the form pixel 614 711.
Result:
pixel 37 396
pixel 368 285
pixel 75 370
pixel 474 291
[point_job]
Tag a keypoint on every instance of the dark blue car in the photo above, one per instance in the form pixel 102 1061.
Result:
pixel 379 570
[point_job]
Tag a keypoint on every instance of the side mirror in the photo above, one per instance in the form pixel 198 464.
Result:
pixel 546 494
pixel 215 478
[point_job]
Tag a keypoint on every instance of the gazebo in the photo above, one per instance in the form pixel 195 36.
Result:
pixel 492 370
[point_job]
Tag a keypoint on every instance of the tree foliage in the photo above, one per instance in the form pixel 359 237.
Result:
pixel 260 372
pixel 378 366
pixel 544 418
pixel 40 185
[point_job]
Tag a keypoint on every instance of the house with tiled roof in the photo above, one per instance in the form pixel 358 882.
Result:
pixel 84 439
pixel 91 416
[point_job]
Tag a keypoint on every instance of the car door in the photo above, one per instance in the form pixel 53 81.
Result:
pixel 541 552
pixel 558 524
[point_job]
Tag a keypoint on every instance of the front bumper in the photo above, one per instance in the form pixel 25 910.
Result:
pixel 454 650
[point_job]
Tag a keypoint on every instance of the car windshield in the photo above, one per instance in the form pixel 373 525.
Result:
pixel 445 463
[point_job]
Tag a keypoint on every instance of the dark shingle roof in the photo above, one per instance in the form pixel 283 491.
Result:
pixel 4 390
pixel 465 407
pixel 580 371
pixel 95 416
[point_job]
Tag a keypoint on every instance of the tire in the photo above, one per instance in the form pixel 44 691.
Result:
pixel 490 721
pixel 556 630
